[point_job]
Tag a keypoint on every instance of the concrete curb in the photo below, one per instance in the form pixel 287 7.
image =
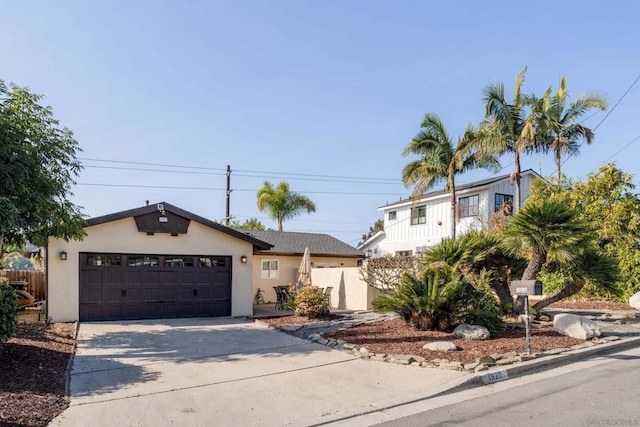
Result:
pixel 473 380
pixel 67 381
pixel 548 362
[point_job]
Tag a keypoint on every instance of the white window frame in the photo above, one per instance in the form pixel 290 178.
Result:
pixel 392 215
pixel 270 272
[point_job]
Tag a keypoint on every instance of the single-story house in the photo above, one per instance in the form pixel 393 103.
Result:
pixel 152 262
pixel 279 264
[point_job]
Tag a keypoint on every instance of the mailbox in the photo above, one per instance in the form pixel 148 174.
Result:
pixel 526 287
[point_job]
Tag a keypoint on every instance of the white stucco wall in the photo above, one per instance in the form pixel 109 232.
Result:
pixel 349 291
pixel 122 236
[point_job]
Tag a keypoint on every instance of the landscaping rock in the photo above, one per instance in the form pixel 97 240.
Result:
pixel 485 359
pixel 379 357
pixel 471 332
pixel 575 326
pixel 440 346
pixel 506 361
pixel 454 366
pixel 401 359
pixel 471 366
pixel 526 357
pixel 481 367
pixel 634 301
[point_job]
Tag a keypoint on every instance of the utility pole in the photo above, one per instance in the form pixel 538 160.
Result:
pixel 227 218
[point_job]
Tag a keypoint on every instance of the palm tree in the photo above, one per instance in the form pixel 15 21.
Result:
pixel 441 161
pixel 280 203
pixel 591 267
pixel 543 229
pixel 512 126
pixel 479 255
pixel 563 131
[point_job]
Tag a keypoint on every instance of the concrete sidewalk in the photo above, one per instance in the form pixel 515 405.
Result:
pixel 228 372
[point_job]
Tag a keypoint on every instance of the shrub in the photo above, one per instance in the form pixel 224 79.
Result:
pixel 310 302
pixel 439 299
pixel 8 311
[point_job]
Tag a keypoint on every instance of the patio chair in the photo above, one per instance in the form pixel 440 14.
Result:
pixel 279 298
pixel 327 295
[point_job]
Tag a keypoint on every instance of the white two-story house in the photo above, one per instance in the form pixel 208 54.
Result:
pixel 412 226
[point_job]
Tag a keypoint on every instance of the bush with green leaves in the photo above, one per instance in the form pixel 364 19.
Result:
pixel 8 311
pixel 439 299
pixel 310 302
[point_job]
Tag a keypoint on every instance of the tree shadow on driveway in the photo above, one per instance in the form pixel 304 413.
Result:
pixel 112 356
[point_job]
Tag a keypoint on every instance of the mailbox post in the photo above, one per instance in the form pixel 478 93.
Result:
pixel 524 288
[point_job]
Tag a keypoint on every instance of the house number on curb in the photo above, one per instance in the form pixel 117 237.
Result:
pixel 494 377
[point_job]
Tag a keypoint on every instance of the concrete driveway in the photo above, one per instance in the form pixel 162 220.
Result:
pixel 222 371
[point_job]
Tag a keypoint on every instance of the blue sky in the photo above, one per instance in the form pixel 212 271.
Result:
pixel 324 95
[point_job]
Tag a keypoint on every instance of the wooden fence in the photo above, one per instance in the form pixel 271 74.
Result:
pixel 35 278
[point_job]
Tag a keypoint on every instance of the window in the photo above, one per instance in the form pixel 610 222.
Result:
pixel 212 262
pixel 504 201
pixel 368 253
pixel 269 269
pixel 103 260
pixel 469 206
pixel 142 261
pixel 178 261
pixel 419 215
pixel 392 215
pixel 404 253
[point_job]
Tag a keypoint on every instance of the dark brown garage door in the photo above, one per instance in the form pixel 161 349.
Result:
pixel 121 286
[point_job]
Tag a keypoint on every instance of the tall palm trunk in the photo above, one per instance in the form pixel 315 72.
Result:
pixel 280 223
pixel 558 156
pixel 515 179
pixel 571 289
pixel 454 204
pixel 535 265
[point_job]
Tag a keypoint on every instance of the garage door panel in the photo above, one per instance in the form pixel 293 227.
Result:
pixel 118 286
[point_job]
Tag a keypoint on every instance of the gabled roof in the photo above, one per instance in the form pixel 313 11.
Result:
pixel 291 243
pixel 475 184
pixel 373 238
pixel 180 212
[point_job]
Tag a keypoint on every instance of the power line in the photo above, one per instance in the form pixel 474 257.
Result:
pixel 606 116
pixel 222 170
pixel 623 148
pixel 224 189
pixel 222 174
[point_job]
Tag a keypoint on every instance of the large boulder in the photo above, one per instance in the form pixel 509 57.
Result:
pixel 575 326
pixel 471 332
pixel 634 301
pixel 440 346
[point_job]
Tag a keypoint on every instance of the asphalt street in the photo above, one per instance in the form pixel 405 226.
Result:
pixel 603 392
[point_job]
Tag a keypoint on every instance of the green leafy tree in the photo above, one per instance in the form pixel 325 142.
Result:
pixel 608 202
pixel 441 160
pixel 281 204
pixel 37 166
pixel 249 224
pixel 512 126
pixel 377 226
pixel 8 310
pixel 561 122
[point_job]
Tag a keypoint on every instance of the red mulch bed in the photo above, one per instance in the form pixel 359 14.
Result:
pixel 34 370
pixel 396 337
pixel 592 305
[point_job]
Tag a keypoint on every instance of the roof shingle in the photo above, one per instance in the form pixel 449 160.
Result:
pixel 292 243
